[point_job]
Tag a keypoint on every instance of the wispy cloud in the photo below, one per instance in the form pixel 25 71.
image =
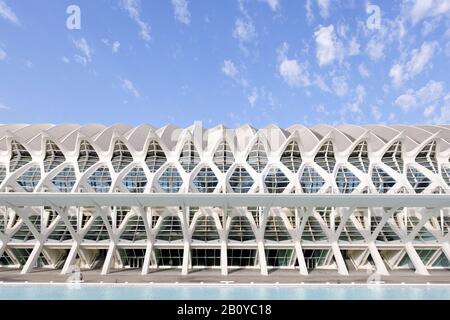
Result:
pixel 133 9
pixel 244 30
pixel 426 97
pixel 273 4
pixel 129 87
pixel 309 11
pixel 229 69
pixel 114 46
pixel 3 107
pixel 7 13
pixel 324 8
pixel 326 45
pixel 181 11
pixel 419 59
pixel 3 54
pixel 83 47
pixel 428 8
pixel 293 73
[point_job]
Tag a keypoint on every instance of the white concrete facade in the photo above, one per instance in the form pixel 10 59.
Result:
pixel 348 197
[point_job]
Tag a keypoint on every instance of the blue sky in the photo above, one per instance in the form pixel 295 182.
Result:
pixel 225 61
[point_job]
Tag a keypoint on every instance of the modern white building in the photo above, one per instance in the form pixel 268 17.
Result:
pixel 341 198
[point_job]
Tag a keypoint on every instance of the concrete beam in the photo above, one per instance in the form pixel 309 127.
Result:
pixel 342 268
pixel 301 258
pixel 70 260
pixel 379 263
pixel 109 258
pixel 29 265
pixel 148 254
pixel 415 259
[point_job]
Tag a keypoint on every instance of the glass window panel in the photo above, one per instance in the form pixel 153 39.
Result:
pixel 155 156
pixel 135 180
pixel 121 156
pixel 291 157
pixel 65 179
pixel 205 181
pixel 87 156
pixel 240 181
pixel 393 157
pixel 170 181
pixel 325 157
pixel 30 178
pixel 311 181
pixel 53 156
pixel 100 180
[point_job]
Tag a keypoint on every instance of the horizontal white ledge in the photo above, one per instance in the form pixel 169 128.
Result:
pixel 221 200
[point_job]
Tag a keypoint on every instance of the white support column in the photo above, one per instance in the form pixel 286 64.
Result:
pixel 415 259
pixel 186 254
pixel 32 258
pixel 446 249
pixel 262 259
pixel 70 258
pixel 301 259
pixel 342 268
pixel 379 263
pixel 2 246
pixel 148 254
pixel 109 258
pixel 223 258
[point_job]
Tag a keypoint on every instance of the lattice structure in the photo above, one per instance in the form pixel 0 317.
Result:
pixel 120 197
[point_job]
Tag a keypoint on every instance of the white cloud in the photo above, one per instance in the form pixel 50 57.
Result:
pixel 7 13
pixel 376 113
pixel 309 11
pixel 431 92
pixel 253 97
pixel 353 48
pixel 358 99
pixel 229 69
pixel 444 115
pixel 3 107
pixel 427 97
pixel 65 59
pixel 181 11
pixel 428 112
pixel 293 73
pixel 244 30
pixel 2 54
pixel 291 70
pixel 128 86
pixel 428 8
pixel 375 49
pixel 115 46
pixel 320 83
pixel 396 73
pixel 133 9
pixel 274 4
pixel 362 69
pixel 419 59
pixel 324 8
pixel 340 86
pixel 85 55
pixel 406 101
pixel 326 46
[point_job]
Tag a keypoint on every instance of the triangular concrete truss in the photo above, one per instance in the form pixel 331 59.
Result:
pixel 341 161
